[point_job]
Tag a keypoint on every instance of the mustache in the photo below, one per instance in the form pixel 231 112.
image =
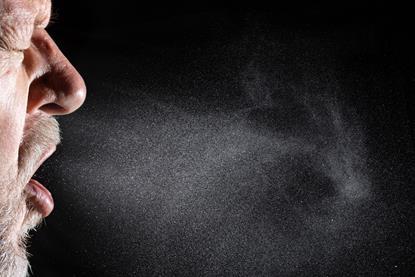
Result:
pixel 41 131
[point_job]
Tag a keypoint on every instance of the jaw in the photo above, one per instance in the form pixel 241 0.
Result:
pixel 12 265
pixel 16 220
pixel 13 258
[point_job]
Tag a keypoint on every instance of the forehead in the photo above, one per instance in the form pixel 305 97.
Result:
pixel 26 11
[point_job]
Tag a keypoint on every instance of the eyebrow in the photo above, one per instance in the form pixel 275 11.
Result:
pixel 47 18
pixel 53 17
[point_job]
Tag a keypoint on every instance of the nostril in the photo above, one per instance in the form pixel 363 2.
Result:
pixel 40 94
pixel 57 92
pixel 53 108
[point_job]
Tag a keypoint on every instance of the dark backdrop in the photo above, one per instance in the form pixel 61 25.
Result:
pixel 233 140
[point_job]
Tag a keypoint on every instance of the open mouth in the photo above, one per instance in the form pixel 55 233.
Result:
pixel 38 195
pixel 40 137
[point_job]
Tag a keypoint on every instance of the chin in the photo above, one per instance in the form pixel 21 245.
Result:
pixel 18 267
pixel 17 218
pixel 13 259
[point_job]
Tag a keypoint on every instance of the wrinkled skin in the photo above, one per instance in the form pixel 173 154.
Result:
pixel 36 83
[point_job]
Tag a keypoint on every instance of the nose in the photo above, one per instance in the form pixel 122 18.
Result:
pixel 56 87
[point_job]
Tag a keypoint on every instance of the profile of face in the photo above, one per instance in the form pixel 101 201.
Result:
pixel 36 83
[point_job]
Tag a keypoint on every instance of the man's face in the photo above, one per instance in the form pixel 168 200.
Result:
pixel 36 83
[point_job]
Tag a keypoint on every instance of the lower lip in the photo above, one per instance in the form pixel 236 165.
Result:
pixel 40 197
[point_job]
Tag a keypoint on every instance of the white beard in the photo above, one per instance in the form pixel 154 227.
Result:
pixel 13 261
pixel 17 217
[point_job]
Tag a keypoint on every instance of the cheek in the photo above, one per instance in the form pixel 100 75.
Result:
pixel 13 102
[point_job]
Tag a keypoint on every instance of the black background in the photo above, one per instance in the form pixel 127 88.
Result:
pixel 145 65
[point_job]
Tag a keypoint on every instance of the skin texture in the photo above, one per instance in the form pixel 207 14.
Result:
pixel 36 83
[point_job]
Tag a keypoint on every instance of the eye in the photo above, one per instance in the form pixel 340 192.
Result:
pixel 45 17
